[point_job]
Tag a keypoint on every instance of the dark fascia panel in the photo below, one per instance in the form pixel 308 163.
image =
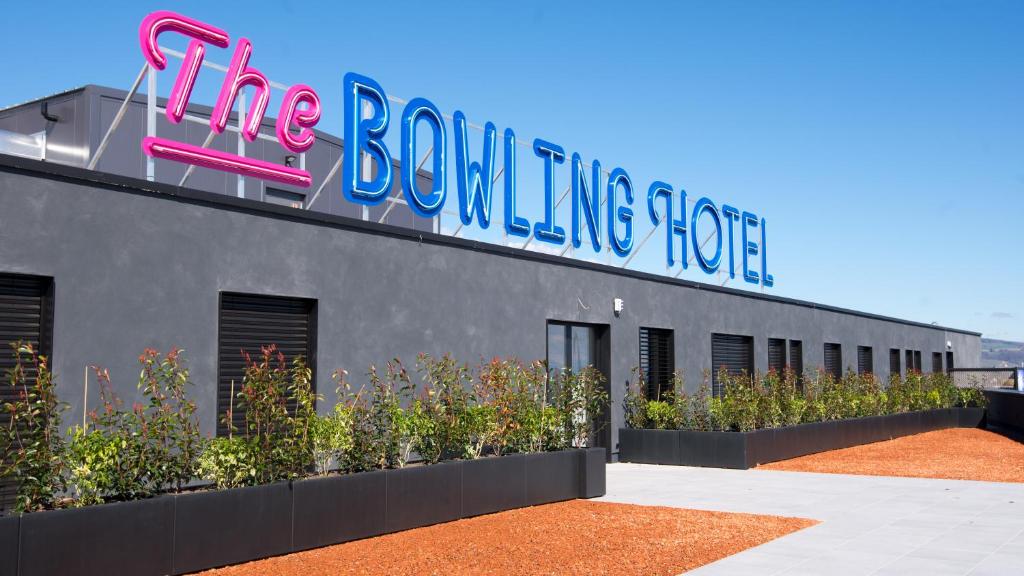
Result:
pixel 71 174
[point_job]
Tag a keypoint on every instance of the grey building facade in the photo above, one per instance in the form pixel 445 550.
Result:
pixel 127 263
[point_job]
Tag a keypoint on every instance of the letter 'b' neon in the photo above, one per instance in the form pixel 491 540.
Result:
pixel 365 135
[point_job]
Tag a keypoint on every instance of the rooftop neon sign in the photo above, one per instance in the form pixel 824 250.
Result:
pixel 475 181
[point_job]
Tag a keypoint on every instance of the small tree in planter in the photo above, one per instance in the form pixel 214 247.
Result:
pixel 281 436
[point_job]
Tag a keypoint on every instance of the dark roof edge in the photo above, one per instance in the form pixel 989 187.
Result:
pixel 133 185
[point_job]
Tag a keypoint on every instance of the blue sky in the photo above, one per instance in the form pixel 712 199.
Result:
pixel 881 140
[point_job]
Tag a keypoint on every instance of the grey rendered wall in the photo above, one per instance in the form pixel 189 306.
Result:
pixel 137 269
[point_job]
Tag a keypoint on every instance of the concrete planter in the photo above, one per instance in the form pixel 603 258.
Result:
pixel 742 450
pixel 177 534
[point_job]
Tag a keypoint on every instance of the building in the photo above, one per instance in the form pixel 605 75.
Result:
pixel 96 265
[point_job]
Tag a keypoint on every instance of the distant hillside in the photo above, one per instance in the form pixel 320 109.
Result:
pixel 1000 353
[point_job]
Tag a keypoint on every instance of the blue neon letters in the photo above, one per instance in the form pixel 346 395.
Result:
pixel 587 202
pixel 368 136
pixel 367 114
pixel 423 204
pixel 475 182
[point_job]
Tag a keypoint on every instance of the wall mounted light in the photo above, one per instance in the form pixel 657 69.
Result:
pixel 618 306
pixel 289 160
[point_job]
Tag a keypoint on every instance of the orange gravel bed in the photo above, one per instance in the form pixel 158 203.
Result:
pixel 576 537
pixel 957 454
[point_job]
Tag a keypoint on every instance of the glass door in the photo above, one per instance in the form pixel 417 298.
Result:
pixel 574 346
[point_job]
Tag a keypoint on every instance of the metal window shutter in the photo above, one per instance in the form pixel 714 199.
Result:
pixel 834 360
pixel 937 362
pixel 657 360
pixel 25 315
pixel 917 361
pixel 865 360
pixel 249 322
pixel 949 361
pixel 796 358
pixel 776 355
pixel 894 362
pixel 732 352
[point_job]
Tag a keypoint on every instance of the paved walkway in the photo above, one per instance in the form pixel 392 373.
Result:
pixel 870 524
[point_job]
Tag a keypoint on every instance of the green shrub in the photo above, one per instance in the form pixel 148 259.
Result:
pixel 31 444
pixel 168 419
pixel 444 400
pixel 331 438
pixel 110 460
pixel 229 462
pixel 579 398
pixel 661 415
pixel 281 437
pixel 787 399
pixel 128 454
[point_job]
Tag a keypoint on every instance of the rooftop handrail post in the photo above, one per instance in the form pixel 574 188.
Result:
pixel 117 118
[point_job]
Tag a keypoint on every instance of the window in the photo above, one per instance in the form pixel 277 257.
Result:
pixel 894 362
pixel 917 360
pixel 910 361
pixel 834 360
pixel 574 347
pixel 936 362
pixel 776 355
pixel 733 353
pixel 657 360
pixel 249 322
pixel 284 198
pixel 26 314
pixel 949 361
pixel 865 360
pixel 796 359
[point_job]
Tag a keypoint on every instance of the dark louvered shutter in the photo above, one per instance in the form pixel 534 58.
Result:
pixel 249 322
pixel 657 360
pixel 776 355
pixel 917 361
pixel 949 361
pixel 865 360
pixel 732 352
pixel 796 358
pixel 834 360
pixel 26 315
pixel 910 361
pixel 894 362
pixel 936 362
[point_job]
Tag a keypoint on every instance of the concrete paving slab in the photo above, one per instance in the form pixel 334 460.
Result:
pixel 869 524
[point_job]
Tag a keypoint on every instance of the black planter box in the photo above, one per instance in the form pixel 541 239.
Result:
pixel 493 484
pixel 742 450
pixel 119 538
pixel 1006 410
pixel 222 527
pixel 552 476
pixel 423 495
pixel 10 529
pixel 177 534
pixel 592 477
pixel 336 509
